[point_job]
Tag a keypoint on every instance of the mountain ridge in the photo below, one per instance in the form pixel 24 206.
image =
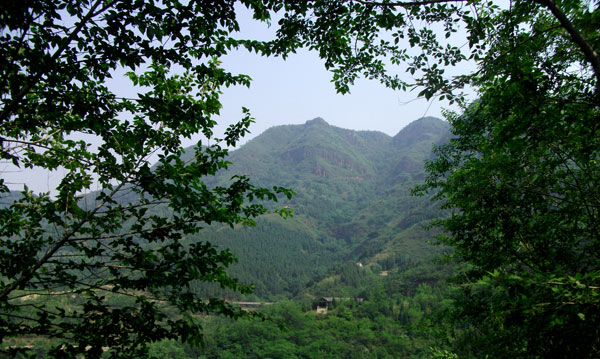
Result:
pixel 352 201
pixel 352 204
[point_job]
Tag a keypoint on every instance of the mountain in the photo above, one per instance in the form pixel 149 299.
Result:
pixel 352 202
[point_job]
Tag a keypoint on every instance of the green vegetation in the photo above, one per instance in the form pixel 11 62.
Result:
pixel 59 113
pixel 358 209
pixel 375 328
pixel 380 322
pixel 118 224
pixel 518 180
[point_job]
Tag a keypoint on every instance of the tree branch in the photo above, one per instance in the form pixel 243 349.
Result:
pixel 407 3
pixel 6 112
pixel 25 277
pixel 590 54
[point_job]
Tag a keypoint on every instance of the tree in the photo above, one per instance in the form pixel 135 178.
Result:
pixel 114 268
pixel 520 175
pixel 520 178
pixel 102 269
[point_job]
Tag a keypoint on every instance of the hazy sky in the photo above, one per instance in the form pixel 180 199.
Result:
pixel 282 92
pixel 299 89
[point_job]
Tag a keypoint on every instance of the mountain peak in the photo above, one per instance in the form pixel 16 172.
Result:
pixel 428 122
pixel 317 121
pixel 423 129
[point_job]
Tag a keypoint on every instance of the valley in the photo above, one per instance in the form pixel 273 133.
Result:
pixel 357 236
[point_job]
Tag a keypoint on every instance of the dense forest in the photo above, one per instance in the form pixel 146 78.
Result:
pixel 368 248
pixel 379 317
pixel 352 203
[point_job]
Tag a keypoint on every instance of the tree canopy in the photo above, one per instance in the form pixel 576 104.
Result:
pixel 520 176
pixel 100 261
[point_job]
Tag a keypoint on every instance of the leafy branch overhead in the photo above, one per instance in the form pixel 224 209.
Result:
pixel 520 178
pixel 113 231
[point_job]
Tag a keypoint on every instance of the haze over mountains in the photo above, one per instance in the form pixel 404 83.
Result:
pixel 352 203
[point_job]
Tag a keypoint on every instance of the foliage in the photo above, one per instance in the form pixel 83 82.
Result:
pixel 167 349
pixel 386 322
pixel 135 235
pixel 358 208
pixel 521 178
pixel 521 173
pixel 375 328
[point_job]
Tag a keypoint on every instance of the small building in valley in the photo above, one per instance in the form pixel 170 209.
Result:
pixel 323 304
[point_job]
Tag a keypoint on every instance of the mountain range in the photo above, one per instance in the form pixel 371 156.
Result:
pixel 352 204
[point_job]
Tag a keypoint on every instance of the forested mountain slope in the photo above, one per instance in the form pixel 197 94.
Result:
pixel 352 202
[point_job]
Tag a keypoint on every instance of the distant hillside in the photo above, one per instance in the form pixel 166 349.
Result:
pixel 352 202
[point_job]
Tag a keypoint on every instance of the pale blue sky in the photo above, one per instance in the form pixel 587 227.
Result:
pixel 298 89
pixel 282 92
